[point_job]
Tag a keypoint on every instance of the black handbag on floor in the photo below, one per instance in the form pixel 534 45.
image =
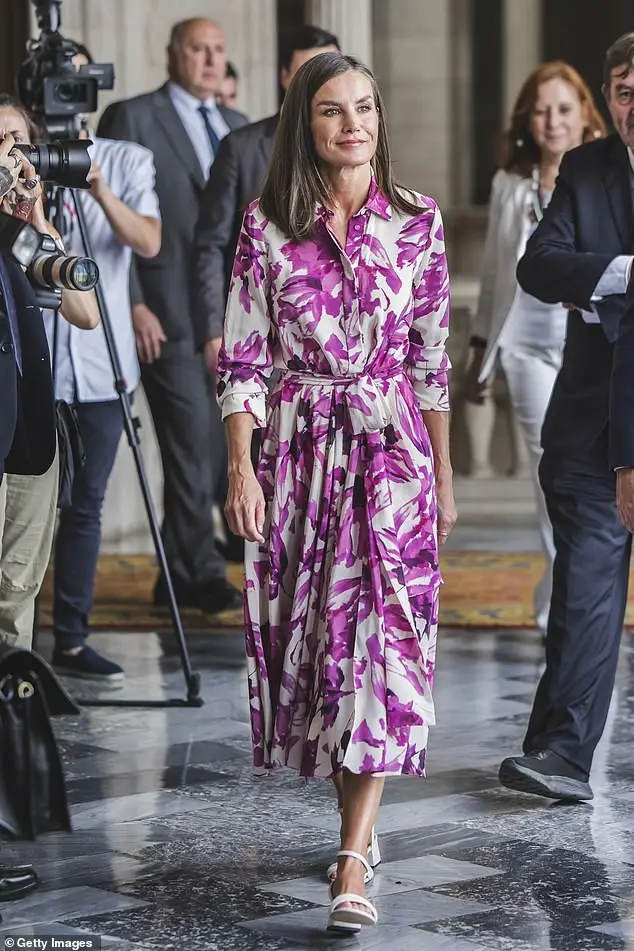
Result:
pixel 32 788
pixel 70 446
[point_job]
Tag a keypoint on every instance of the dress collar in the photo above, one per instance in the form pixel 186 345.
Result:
pixel 630 154
pixel 375 202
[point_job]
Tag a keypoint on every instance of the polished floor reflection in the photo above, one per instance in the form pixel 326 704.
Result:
pixel 176 846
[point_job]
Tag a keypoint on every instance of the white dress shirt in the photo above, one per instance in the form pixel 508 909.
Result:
pixel 83 372
pixel 616 276
pixel 187 107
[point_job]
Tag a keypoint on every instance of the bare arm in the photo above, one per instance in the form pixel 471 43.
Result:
pixel 437 425
pixel 139 232
pixel 80 309
pixel 245 506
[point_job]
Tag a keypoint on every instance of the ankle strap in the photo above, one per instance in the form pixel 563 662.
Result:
pixel 355 855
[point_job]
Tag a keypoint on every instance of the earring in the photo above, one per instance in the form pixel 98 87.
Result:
pixel 597 134
pixel 519 143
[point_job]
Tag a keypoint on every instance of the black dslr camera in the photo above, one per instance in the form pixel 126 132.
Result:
pixel 58 94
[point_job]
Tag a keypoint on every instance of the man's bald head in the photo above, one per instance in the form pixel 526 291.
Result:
pixel 197 58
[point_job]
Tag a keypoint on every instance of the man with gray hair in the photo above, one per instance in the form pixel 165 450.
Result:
pixel 182 125
pixel 581 254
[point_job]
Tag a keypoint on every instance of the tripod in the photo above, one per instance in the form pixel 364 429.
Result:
pixel 132 426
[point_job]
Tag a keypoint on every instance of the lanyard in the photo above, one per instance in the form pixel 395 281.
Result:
pixel 536 198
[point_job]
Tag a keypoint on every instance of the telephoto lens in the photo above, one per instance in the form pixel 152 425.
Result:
pixel 64 162
pixel 60 270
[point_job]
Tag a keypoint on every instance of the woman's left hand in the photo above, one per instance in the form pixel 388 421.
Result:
pixel 447 514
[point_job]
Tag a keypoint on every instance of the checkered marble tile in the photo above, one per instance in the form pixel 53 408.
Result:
pixel 177 846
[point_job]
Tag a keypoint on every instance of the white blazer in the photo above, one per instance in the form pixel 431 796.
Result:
pixel 507 233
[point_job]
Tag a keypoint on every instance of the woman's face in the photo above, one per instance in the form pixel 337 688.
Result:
pixel 14 123
pixel 558 119
pixel 345 121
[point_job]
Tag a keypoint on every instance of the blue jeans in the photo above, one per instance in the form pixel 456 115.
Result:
pixel 79 534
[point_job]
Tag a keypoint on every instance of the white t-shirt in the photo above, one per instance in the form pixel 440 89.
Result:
pixel 83 372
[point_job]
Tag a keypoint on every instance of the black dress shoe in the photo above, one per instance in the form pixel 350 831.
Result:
pixel 218 595
pixel 545 773
pixel 16 882
pixel 213 596
pixel 232 550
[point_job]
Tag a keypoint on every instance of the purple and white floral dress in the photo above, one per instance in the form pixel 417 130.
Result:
pixel 341 603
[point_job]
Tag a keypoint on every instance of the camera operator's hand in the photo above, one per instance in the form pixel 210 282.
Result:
pixel 10 165
pixel 98 185
pixel 149 334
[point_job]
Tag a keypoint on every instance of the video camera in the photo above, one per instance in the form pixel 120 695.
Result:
pixel 58 94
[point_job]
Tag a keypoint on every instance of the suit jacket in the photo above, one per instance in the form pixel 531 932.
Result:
pixel 152 121
pixel 28 439
pixel 236 179
pixel 507 232
pixel 589 221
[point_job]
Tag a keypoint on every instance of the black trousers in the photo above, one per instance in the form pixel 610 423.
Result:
pixel 177 392
pixel 590 578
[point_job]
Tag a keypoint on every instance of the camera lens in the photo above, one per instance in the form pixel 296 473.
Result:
pixel 60 270
pixel 83 275
pixel 66 92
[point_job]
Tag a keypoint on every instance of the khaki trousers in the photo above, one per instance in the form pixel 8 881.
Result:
pixel 28 507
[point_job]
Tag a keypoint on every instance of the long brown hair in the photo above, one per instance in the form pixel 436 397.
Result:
pixel 520 151
pixel 294 185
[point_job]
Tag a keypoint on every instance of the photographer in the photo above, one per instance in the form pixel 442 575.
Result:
pixel 28 496
pixel 27 420
pixel 121 214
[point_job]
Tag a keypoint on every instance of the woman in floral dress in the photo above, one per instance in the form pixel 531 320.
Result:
pixel 339 285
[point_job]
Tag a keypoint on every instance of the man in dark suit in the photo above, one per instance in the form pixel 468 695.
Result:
pixel 237 178
pixel 582 254
pixel 183 126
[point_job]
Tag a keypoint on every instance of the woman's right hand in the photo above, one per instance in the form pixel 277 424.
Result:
pixel 473 388
pixel 10 166
pixel 245 507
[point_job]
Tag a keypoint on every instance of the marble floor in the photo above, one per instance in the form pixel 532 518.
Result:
pixel 176 846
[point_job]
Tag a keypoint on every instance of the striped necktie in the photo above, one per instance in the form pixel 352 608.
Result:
pixel 8 302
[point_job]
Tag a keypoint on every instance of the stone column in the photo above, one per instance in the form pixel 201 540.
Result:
pixel 522 25
pixel 349 20
pixel 415 67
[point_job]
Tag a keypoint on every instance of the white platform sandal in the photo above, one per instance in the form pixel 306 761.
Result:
pixel 351 920
pixel 374 859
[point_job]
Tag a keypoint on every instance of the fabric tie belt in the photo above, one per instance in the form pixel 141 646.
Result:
pixel 368 409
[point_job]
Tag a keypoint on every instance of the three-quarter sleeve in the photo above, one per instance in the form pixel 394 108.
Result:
pixel 427 362
pixel 245 359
